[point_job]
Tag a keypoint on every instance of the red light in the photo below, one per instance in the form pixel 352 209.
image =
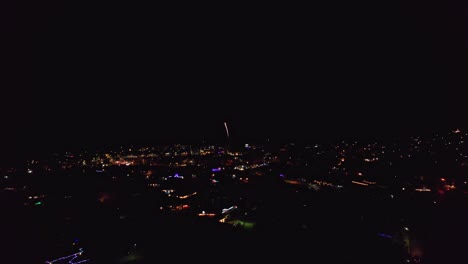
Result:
pixel 442 179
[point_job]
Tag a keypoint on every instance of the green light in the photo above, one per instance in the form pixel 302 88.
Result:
pixel 245 224
pixel 38 203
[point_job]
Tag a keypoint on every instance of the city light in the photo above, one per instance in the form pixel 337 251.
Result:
pixel 274 187
pixel 203 213
pixel 227 210
pixel 360 183
pixel 72 258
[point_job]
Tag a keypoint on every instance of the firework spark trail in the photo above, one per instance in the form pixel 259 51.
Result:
pixel 227 131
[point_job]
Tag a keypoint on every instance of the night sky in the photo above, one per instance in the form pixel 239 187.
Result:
pixel 96 75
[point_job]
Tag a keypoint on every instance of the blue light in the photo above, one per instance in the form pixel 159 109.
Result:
pixel 384 235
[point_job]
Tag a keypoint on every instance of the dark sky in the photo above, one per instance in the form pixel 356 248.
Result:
pixel 109 74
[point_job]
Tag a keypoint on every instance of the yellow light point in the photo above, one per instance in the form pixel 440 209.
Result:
pixel 369 182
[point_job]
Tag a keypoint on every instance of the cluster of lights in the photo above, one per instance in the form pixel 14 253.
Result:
pixel 187 196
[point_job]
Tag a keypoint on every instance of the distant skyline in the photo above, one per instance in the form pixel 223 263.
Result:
pixel 318 75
